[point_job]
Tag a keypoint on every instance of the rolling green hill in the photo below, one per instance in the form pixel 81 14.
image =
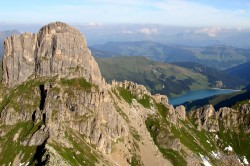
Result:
pixel 156 76
pixel 215 77
pixel 164 78
pixel 220 57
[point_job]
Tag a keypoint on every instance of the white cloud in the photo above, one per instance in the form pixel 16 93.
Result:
pixel 94 24
pixel 168 12
pixel 239 28
pixel 127 32
pixel 148 31
pixel 212 32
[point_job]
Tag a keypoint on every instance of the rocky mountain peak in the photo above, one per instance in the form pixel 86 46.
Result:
pixel 58 27
pixel 57 49
pixel 67 120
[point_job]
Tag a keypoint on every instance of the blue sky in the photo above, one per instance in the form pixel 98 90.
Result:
pixel 223 13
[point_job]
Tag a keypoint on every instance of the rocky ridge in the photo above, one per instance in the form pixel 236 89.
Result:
pixel 57 110
pixel 69 96
pixel 230 118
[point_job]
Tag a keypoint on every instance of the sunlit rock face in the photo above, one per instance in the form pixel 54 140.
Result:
pixel 57 49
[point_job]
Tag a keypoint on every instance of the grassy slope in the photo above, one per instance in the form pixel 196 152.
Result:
pixel 156 76
pixel 197 142
pixel 16 98
pixel 213 75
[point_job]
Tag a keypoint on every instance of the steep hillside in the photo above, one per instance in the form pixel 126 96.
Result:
pixel 166 78
pixel 59 111
pixel 220 57
pixel 217 78
pixel 158 77
pixel 241 71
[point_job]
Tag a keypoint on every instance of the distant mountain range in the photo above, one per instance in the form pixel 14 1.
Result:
pixel 188 36
pixel 215 77
pixel 162 43
pixel 165 78
pixel 220 57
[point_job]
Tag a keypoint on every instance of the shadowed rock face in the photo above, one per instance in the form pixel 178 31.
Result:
pixel 57 49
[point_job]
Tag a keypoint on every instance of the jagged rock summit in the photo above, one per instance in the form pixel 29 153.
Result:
pixel 57 49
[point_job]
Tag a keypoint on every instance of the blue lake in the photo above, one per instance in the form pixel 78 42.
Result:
pixel 198 94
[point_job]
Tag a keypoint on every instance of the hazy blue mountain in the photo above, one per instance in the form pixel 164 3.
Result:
pixel 242 71
pixel 152 50
pixel 188 36
pixel 220 57
pixel 213 75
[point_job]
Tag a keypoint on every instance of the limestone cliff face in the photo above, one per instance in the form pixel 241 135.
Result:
pixel 19 58
pixel 57 49
pixel 58 52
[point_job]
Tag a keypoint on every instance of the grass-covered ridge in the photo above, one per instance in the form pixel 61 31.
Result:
pixel 192 141
pixel 76 155
pixel 79 83
pixel 20 96
pixel 154 127
pixel 11 143
pixel 129 97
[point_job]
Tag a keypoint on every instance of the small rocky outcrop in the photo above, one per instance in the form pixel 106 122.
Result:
pixel 57 49
pixel 181 112
pixel 136 89
pixel 230 118
pixel 175 114
pixel 207 119
pixel 235 118
pixel 161 99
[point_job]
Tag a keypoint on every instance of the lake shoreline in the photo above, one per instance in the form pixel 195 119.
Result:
pixel 236 90
pixel 199 94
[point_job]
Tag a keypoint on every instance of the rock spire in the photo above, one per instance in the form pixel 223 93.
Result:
pixel 57 49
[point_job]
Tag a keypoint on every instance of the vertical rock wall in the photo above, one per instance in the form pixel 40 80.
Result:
pixel 19 58
pixel 57 49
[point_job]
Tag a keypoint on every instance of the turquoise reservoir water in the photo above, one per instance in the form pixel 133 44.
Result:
pixel 198 94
